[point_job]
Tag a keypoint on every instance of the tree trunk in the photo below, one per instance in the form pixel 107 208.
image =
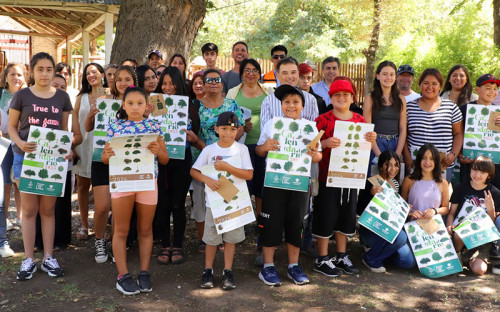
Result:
pixel 371 52
pixel 169 26
pixel 496 22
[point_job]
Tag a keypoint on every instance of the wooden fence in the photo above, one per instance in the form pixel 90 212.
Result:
pixel 357 72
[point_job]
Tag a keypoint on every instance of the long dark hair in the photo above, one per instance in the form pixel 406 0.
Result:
pixel 128 69
pixel 141 73
pixel 377 94
pixel 190 91
pixel 385 158
pixel 436 172
pixel 86 87
pixel 466 92
pixel 175 74
pixel 183 59
pixel 121 113
pixel 34 60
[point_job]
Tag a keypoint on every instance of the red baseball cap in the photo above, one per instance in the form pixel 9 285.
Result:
pixel 304 68
pixel 486 78
pixel 339 86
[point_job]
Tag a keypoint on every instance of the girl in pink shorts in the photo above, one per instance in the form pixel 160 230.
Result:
pixel 131 120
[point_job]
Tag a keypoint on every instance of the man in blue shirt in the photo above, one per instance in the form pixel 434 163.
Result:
pixel 330 68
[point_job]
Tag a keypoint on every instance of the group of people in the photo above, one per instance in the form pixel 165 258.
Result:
pixel 424 131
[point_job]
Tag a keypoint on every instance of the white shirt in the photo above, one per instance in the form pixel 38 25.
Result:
pixel 271 107
pixel 413 96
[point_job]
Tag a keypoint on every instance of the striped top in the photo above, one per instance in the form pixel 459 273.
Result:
pixel 432 127
pixel 271 107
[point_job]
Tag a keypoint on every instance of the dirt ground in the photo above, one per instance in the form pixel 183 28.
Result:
pixel 88 286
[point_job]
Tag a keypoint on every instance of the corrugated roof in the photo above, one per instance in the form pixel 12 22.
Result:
pixel 107 2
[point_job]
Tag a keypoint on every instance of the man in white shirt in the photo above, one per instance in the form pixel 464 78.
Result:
pixel 405 77
pixel 288 73
pixel 330 69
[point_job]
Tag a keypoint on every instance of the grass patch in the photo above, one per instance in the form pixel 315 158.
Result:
pixel 11 264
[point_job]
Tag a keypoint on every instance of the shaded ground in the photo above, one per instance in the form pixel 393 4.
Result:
pixel 89 286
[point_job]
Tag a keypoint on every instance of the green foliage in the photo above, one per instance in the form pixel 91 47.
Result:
pixel 29 173
pixel 56 177
pixel 355 152
pixel 419 246
pixel 358 128
pixel 50 136
pixel 425 260
pixel 355 145
pixel 448 254
pixel 276 136
pixel 306 141
pixel 374 209
pixel 308 129
pixel 278 125
pixel 411 229
pixel 62 151
pixel 482 144
pixel 100 126
pixel 178 139
pixel 182 103
pixel 436 256
pixel 344 167
pixel 127 169
pixel 228 208
pixel 356 136
pixel 294 127
pixel 302 169
pixel 394 223
pixel 115 106
pixel 181 114
pixel 474 226
pixel 470 144
pixel 288 166
pixel 384 215
pixel 414 239
pixel 470 129
pixel 100 142
pixel 493 145
pixel 444 239
pixel 472 110
pixel 65 139
pixel 167 137
pixel 346 160
pixel 181 123
pixel 35 134
pixel 43 174
pixel 137 160
pixel 485 111
pixel 137 145
pixel 275 166
pixel 127 153
pixel 306 161
pixel 127 161
pixel 102 105
pixel 100 118
pixel 31 156
pixel 169 102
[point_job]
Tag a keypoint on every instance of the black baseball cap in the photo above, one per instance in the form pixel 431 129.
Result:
pixel 157 52
pixel 227 119
pixel 486 78
pixel 406 69
pixel 285 90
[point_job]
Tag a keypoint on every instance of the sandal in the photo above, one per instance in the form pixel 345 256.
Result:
pixel 164 256
pixel 179 253
pixel 82 234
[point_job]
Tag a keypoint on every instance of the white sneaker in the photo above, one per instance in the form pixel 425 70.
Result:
pixel 6 251
pixel 496 269
pixel 9 225
pixel 101 250
pixel 374 270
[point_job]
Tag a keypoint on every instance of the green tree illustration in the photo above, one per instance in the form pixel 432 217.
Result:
pixel 115 106
pixel 308 129
pixel 136 152
pixel 485 111
pixel 358 128
pixel 275 166
pixel 127 169
pixel 411 229
pixel 276 136
pixel 481 144
pixel 100 142
pixel 31 156
pixel 65 139
pixel 288 166
pixel 384 215
pixel 493 145
pixel 100 117
pixel 169 102
pixel 278 125
pixel 127 153
pixel 414 239
pixel 100 126
pixel 474 226
pixel 181 114
pixel 137 145
pixel 35 134
pixel 374 209
pixel 302 169
pixel 182 103
pixel 167 137
pixel 351 127
pixel 129 140
pixel 43 174
pixel 448 254
pixel 29 172
pixel 470 121
pixel 346 160
pixel 137 160
pixel 306 141
pixel 127 161
pixel 355 145
pixel 425 260
pixel 344 167
pixel 436 256
pixel 472 110
pixel 470 129
pixel 294 127
pixel 178 139
pixel 419 246
pixel 56 177
pixel 62 151
pixel 50 136
pixel 470 144
pixel 228 208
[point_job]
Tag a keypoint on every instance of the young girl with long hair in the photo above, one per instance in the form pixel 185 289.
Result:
pixel 131 120
pixel 39 105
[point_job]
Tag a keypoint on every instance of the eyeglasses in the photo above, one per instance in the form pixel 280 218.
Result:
pixel 251 71
pixel 278 56
pixel 211 80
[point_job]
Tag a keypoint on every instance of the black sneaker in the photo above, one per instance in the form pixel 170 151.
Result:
pixel 326 267
pixel 144 282
pixel 111 253
pixel 28 267
pixel 207 280
pixel 52 268
pixel 495 250
pixel 127 286
pixel 228 280
pixel 343 262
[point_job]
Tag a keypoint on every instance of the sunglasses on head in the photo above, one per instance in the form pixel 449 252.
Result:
pixel 279 56
pixel 211 80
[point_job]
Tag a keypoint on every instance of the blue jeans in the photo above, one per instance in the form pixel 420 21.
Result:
pixel 397 253
pixel 497 223
pixel 3 215
pixel 383 145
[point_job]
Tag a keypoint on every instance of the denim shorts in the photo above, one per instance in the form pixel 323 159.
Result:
pixel 17 165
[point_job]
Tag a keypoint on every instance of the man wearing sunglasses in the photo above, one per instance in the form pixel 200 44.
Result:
pixel 278 53
pixel 405 77
pixel 330 69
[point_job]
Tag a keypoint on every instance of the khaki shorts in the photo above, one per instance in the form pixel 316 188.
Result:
pixel 210 236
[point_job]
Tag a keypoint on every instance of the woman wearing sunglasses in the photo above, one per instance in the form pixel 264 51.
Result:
pixel 204 114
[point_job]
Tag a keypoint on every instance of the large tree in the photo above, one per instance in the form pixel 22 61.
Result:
pixel 169 26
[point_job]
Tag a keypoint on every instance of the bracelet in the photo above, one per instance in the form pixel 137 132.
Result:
pixel 455 155
pixel 435 210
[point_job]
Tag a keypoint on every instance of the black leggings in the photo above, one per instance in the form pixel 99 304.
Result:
pixel 172 199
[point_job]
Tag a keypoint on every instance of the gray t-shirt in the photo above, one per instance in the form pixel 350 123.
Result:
pixel 46 113
pixel 230 80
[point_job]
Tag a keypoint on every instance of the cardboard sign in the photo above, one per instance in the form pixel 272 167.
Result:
pixel 132 169
pixel 435 254
pixel 232 214
pixel 44 170
pixel 158 103
pixel 173 123
pixel 479 139
pixel 315 142
pixel 376 180
pixel 477 229
pixel 491 122
pixel 226 189
pixel 349 162
pixel 289 167
pixel 107 114
pixel 386 213
pixel 429 225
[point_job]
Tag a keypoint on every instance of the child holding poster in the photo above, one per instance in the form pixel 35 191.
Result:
pixel 124 77
pixel 335 208
pixel 45 106
pixel 131 120
pixel 227 129
pixel 380 250
pixel 477 192
pixel 283 208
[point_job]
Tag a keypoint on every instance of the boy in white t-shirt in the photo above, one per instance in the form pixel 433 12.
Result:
pixel 226 128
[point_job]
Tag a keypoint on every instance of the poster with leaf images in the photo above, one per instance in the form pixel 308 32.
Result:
pixel 132 169
pixel 478 139
pixel 44 170
pixel 386 213
pixel 290 167
pixel 477 229
pixel 107 114
pixel 235 213
pixel 435 254
pixel 349 162
pixel 172 124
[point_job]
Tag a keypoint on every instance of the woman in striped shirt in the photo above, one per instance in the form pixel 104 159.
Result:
pixel 433 120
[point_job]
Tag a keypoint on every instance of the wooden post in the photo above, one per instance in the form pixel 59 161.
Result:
pixel 108 36
pixel 85 46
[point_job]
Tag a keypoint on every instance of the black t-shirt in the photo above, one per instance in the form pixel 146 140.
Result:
pixel 464 192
